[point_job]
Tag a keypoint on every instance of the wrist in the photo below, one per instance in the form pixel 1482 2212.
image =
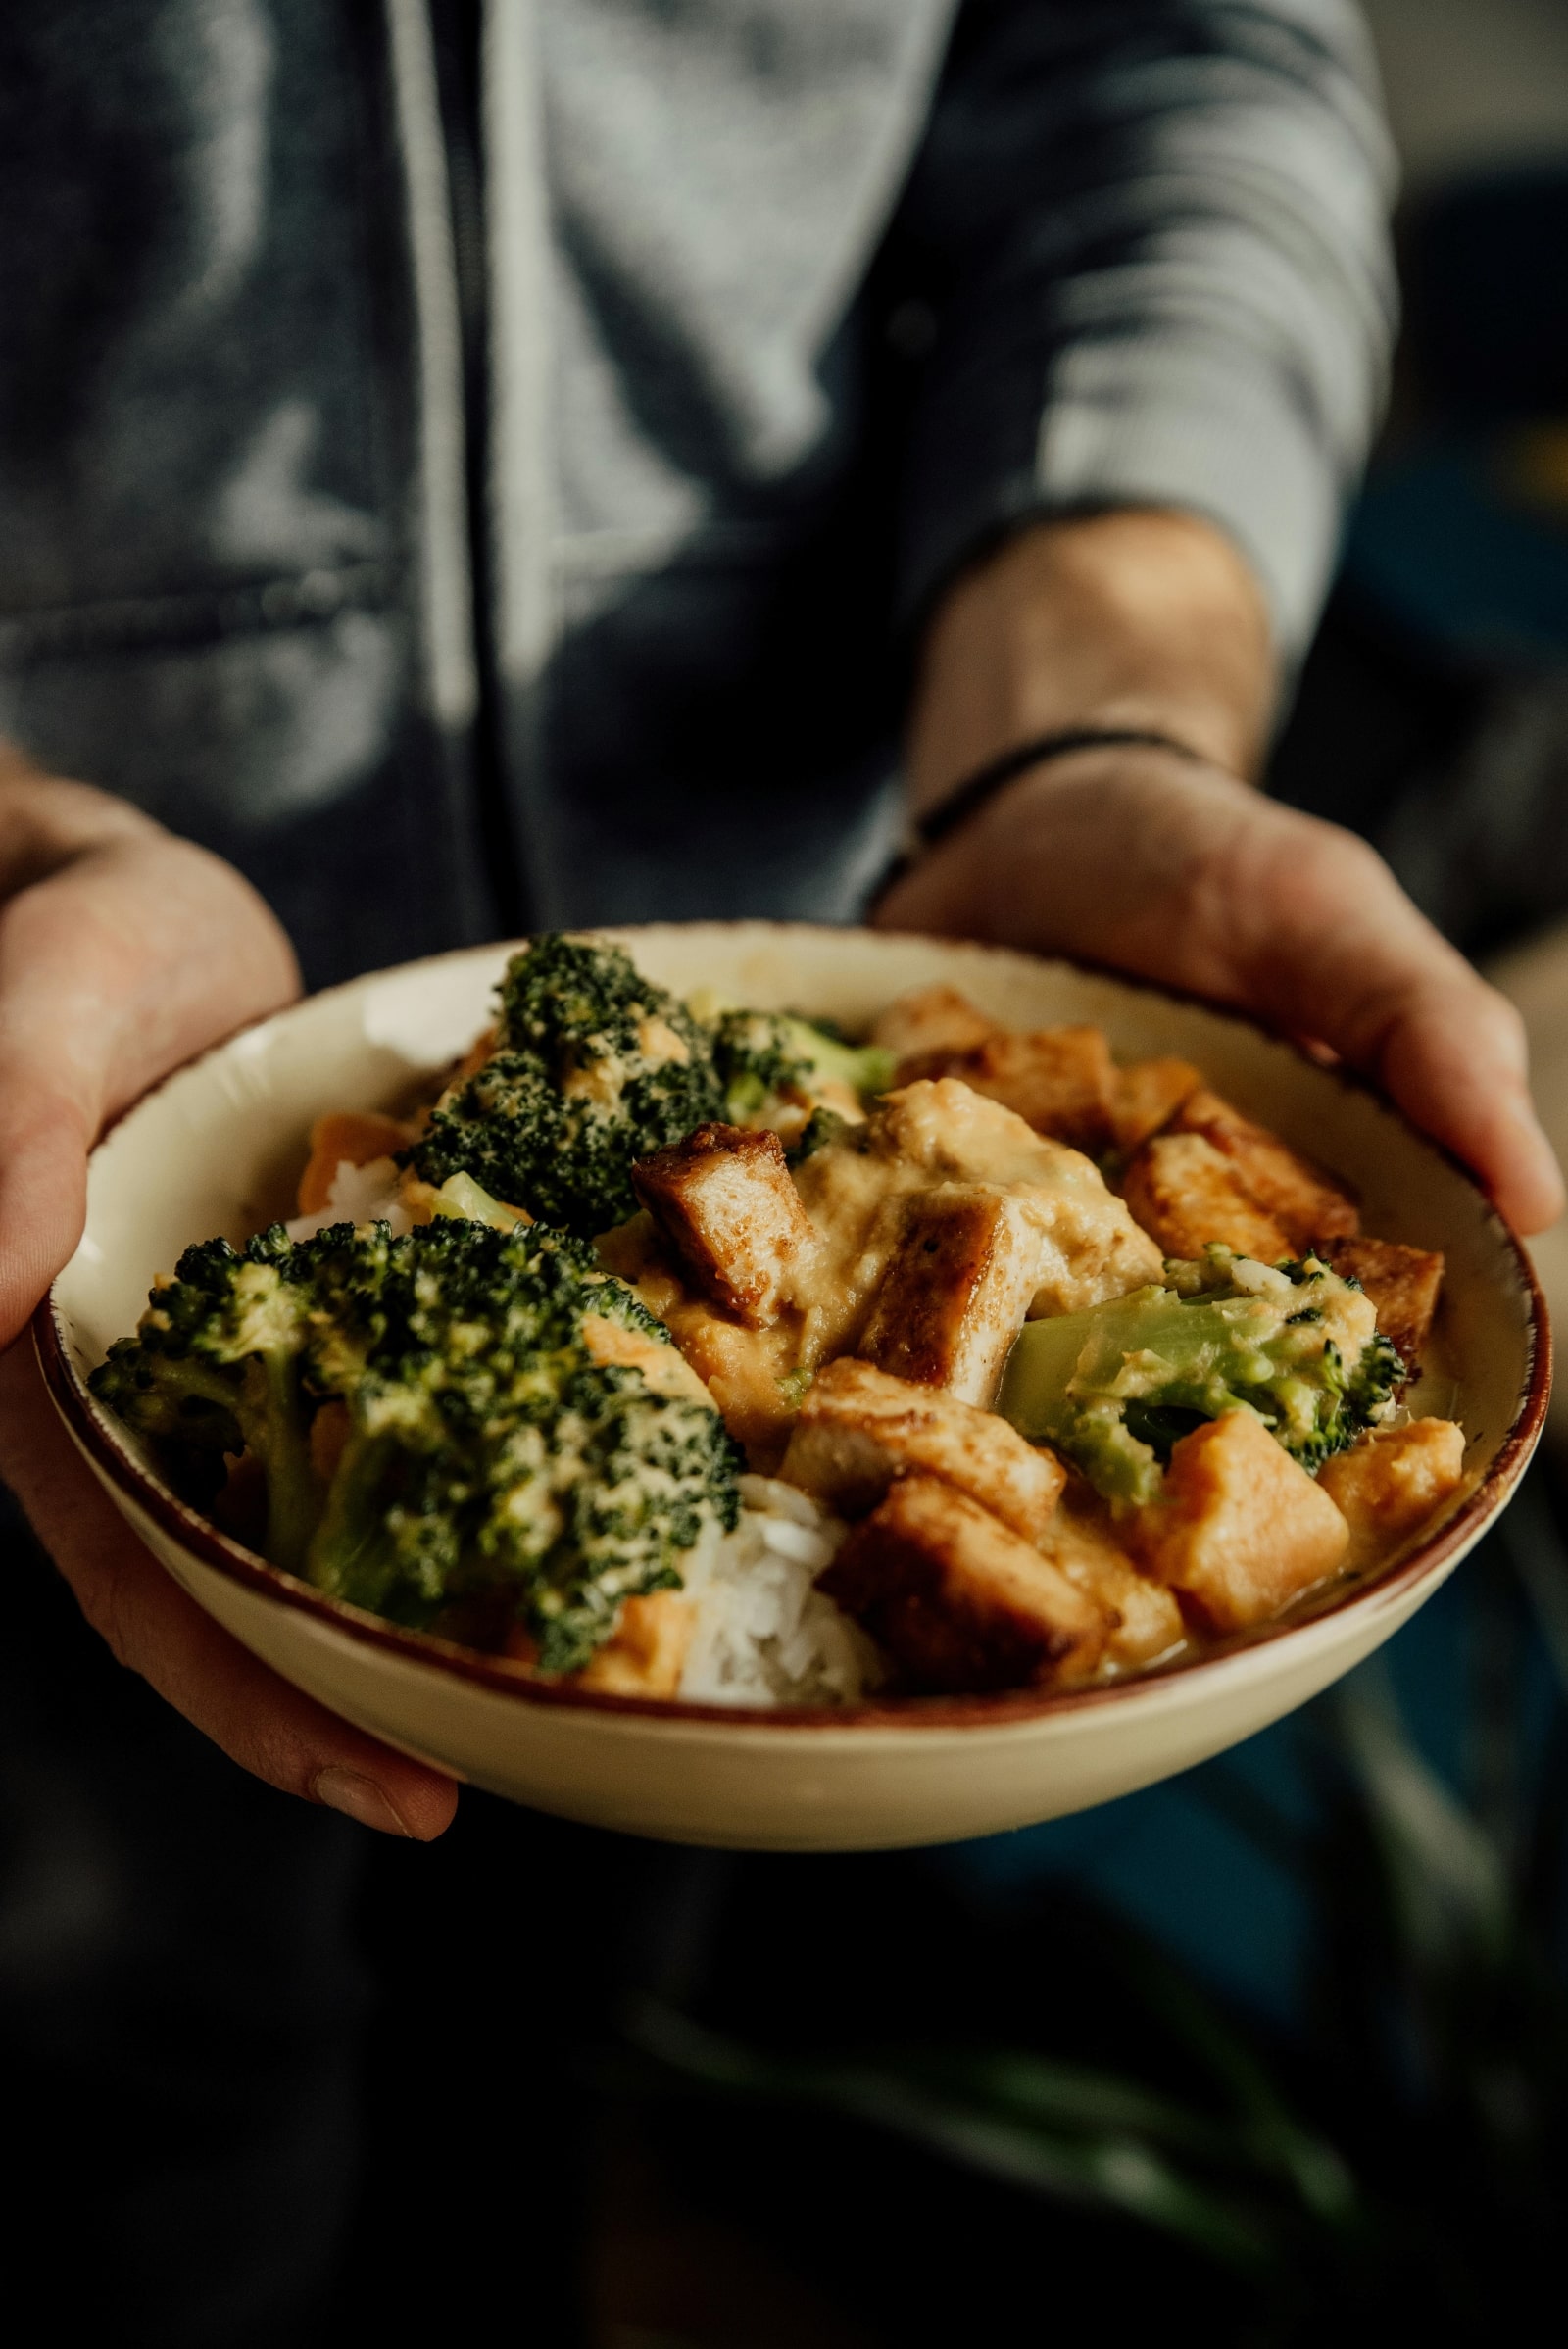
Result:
pixel 1047 861
pixel 1136 621
pixel 965 798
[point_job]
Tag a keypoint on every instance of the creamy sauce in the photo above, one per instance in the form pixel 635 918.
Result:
pixel 854 1191
pixel 665 1369
pixel 939 1132
pixel 659 1043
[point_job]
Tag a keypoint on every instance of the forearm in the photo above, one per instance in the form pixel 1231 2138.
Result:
pixel 1137 619
pixel 1155 239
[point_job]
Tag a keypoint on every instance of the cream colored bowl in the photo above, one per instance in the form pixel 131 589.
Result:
pixel 216 1148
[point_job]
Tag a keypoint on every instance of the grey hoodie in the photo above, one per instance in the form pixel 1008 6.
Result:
pixel 486 461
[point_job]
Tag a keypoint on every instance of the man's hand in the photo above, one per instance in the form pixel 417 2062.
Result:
pixel 1179 872
pixel 123 951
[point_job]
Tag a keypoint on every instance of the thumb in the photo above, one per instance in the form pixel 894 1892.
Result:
pixel 44 1139
pixel 113 972
pixel 53 1052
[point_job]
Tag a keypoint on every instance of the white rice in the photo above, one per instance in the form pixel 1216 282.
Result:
pixel 764 1634
pixel 359 1194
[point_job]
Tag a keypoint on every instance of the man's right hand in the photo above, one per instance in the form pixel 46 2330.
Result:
pixel 123 951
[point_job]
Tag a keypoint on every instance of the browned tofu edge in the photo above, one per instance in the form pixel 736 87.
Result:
pixel 1393 1483
pixel 1145 1097
pixel 1060 1081
pixel 646 1652
pixel 958 1601
pixel 1185 1194
pixel 1404 1284
pixel 860 1427
pixel 740 1270
pixel 930 1022
pixel 1303 1198
pixel 955 1296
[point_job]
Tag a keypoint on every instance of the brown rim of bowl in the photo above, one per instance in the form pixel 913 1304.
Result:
pixel 112 1458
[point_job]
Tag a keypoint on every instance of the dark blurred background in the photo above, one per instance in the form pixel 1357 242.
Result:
pixel 1284 2041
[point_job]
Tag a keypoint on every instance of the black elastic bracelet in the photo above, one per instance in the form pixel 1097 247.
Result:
pixel 971 795
pixel 922 833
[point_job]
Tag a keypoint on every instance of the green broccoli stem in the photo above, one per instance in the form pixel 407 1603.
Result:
pixel 1197 1356
pixel 1117 1388
pixel 276 1428
pixel 349 1555
pixel 863 1067
pixel 162 1410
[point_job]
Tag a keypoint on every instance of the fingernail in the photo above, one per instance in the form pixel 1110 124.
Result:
pixel 358 1798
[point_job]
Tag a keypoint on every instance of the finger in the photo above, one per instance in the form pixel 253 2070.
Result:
pixel 1453 1059
pixel 132 957
pixel 44 1140
pixel 1347 957
pixel 153 1628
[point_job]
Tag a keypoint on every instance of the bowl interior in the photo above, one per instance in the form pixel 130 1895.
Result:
pixel 218 1147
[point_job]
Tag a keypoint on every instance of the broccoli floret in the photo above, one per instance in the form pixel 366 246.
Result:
pixel 594 1066
pixel 632 1481
pixel 490 1455
pixel 487 1455
pixel 574 1000
pixel 770 1059
pixel 214 1368
pixel 821 1128
pixel 1116 1388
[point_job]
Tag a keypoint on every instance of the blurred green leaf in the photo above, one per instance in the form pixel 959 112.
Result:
pixel 1447 1885
pixel 1074 2134
pixel 1534 1550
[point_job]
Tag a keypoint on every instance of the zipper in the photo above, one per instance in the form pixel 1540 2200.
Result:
pixel 520 486
pixel 436 51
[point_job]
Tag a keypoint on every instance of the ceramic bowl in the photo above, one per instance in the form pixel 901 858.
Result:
pixel 216 1148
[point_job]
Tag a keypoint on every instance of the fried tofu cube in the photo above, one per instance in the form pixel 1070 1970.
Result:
pixel 958 1599
pixel 1393 1482
pixel 955 1296
pixel 859 1428
pixel 1186 1193
pixel 1145 1096
pixel 1307 1204
pixel 1059 1080
pixel 933 1023
pixel 1239 1529
pixel 1081 1542
pixel 724 1198
pixel 646 1652
pixel 1404 1284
